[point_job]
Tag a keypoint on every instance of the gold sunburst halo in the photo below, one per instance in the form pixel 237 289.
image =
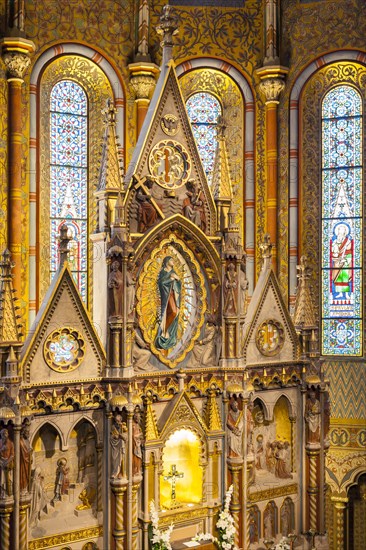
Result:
pixel 192 299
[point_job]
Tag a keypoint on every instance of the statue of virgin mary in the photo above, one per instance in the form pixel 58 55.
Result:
pixel 170 288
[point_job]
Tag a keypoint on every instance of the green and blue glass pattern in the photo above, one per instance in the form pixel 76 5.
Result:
pixel 342 224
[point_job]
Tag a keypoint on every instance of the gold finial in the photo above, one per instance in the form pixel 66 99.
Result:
pixel 168 28
pixel 6 265
pixel 110 113
pixel 266 247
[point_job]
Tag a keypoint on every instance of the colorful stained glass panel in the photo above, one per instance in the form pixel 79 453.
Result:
pixel 69 178
pixel 342 226
pixel 69 97
pixel 204 111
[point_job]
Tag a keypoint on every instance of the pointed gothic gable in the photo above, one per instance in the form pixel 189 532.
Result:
pixel 180 413
pixel 167 128
pixel 270 335
pixel 63 344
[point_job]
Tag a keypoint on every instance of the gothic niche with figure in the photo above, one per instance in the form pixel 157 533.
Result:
pixel 64 482
pixel 272 443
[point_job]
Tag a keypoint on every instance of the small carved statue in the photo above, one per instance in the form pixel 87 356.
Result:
pixel 204 352
pixel 25 459
pixel 286 518
pixel 281 468
pixel 6 464
pixel 137 440
pixel 147 214
pixel 235 425
pixel 130 292
pixel 39 499
pixel 243 284
pixel 115 282
pixel 62 479
pixel 249 427
pixel 230 290
pixel 86 497
pixel 141 354
pixel 312 418
pixel 268 522
pixel 118 440
pixel 193 205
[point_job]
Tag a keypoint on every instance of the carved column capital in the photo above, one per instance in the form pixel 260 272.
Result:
pixel 16 64
pixel 272 82
pixel 142 86
pixel 143 79
pixel 16 55
pixel 271 89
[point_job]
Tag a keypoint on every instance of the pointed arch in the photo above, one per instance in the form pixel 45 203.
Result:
pixel 247 171
pixel 95 74
pixel 178 223
pixel 80 420
pixel 53 425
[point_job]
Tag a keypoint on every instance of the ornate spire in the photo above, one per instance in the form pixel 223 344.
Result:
pixel 304 316
pixel 151 428
pixel 110 172
pixel 110 179
pixel 10 330
pixel 168 28
pixel 221 181
pixel 213 418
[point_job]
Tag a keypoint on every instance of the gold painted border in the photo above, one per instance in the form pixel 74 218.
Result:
pixel 197 273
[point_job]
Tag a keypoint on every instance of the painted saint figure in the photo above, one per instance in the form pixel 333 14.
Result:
pixel 137 440
pixel 204 351
pixel 193 205
pixel 6 464
pixel 62 479
pixel 341 261
pixel 147 214
pixel 170 288
pixel 26 451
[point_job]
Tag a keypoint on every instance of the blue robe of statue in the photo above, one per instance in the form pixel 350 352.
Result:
pixel 170 295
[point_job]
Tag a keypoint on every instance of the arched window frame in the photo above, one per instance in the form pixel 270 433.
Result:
pixel 342 231
pixel 62 180
pixel 101 83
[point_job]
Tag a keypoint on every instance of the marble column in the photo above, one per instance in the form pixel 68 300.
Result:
pixel 16 56
pixel 271 85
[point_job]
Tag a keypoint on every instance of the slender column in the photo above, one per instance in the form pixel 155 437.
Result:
pixel 340 505
pixel 235 505
pixel 135 526
pixel 15 54
pixel 313 489
pixel 271 85
pixel 142 82
pixel 99 450
pixel 119 488
pixel 5 529
pixel 23 526
pixel 16 484
pixel 129 470
pixel 293 461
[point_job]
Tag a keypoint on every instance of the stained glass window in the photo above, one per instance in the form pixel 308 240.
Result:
pixel 342 222
pixel 69 177
pixel 204 110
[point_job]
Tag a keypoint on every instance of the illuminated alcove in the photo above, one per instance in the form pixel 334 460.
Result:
pixel 182 450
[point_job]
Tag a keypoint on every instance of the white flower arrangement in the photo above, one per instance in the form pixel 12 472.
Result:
pixel 160 540
pixel 283 544
pixel 225 527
